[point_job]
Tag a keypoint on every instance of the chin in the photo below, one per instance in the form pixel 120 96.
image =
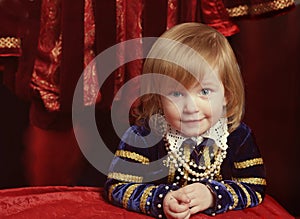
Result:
pixel 192 133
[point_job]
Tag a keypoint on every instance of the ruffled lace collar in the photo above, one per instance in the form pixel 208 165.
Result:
pixel 218 133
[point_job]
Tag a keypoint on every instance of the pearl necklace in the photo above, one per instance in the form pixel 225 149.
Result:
pixel 189 170
pixel 182 164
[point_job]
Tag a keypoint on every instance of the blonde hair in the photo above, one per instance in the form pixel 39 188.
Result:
pixel 202 45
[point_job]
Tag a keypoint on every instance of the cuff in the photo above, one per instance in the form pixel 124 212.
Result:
pixel 222 199
pixel 156 202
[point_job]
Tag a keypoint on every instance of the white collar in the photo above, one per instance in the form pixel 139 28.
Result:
pixel 218 133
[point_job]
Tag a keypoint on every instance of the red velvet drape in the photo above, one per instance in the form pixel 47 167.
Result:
pixel 86 202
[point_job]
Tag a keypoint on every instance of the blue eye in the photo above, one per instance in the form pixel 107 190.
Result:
pixel 176 94
pixel 205 91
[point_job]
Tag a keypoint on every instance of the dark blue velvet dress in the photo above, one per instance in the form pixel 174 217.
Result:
pixel 142 184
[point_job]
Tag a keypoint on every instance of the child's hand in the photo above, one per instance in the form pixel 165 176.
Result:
pixel 176 204
pixel 200 197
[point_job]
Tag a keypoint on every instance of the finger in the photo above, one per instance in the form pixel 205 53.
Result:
pixel 178 208
pixel 195 209
pixel 181 197
pixel 188 216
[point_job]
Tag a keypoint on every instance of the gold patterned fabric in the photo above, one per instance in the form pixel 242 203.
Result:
pixel 10 46
pixel 128 193
pixel 10 42
pixel 91 86
pixel 234 196
pixel 144 197
pixel 125 177
pixel 254 181
pixel 129 15
pixel 45 77
pixel 248 163
pixel 132 156
pixel 257 8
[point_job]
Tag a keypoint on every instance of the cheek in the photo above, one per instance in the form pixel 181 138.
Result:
pixel 217 108
pixel 170 109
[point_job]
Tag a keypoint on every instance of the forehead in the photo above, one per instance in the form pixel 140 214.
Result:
pixel 201 74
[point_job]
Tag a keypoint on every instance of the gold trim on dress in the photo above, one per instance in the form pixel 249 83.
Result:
pixel 132 155
pixel 246 193
pixel 252 180
pixel 127 194
pixel 248 163
pixel 270 6
pixel 10 42
pixel 186 152
pixel 240 10
pixel 111 189
pixel 234 196
pixel 171 174
pixel 144 197
pixel 125 177
pixel 259 197
pixel 258 9
pixel 206 156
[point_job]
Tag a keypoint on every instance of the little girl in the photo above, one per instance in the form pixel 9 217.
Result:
pixel 190 127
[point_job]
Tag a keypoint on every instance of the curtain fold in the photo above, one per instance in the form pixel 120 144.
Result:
pixel 101 24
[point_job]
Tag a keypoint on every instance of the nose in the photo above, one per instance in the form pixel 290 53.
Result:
pixel 190 105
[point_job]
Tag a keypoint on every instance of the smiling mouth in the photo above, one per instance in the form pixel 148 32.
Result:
pixel 192 121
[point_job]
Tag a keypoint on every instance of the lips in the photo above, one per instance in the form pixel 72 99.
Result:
pixel 191 120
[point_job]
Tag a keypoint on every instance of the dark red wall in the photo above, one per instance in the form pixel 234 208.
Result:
pixel 269 54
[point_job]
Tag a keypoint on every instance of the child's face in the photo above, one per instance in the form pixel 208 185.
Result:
pixel 193 111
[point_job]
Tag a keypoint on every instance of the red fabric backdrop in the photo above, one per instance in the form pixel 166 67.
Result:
pixel 87 202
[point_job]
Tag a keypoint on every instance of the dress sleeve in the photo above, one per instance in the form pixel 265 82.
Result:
pixel 246 186
pixel 11 14
pixel 127 189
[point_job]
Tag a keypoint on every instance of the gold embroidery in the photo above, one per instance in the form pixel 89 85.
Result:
pixel 48 91
pixel 171 173
pixel 46 71
pixel 246 193
pixel 111 189
pixel 271 6
pixel 258 9
pixel 186 152
pixel 128 193
pixel 133 156
pixel 259 197
pixel 10 42
pixel 144 197
pixel 206 156
pixel 241 10
pixel 125 177
pixel 253 180
pixel 248 163
pixel 234 195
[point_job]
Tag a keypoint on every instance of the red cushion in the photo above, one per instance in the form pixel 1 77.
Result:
pixel 87 202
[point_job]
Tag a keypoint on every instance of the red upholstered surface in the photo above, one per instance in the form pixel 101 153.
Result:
pixel 87 202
